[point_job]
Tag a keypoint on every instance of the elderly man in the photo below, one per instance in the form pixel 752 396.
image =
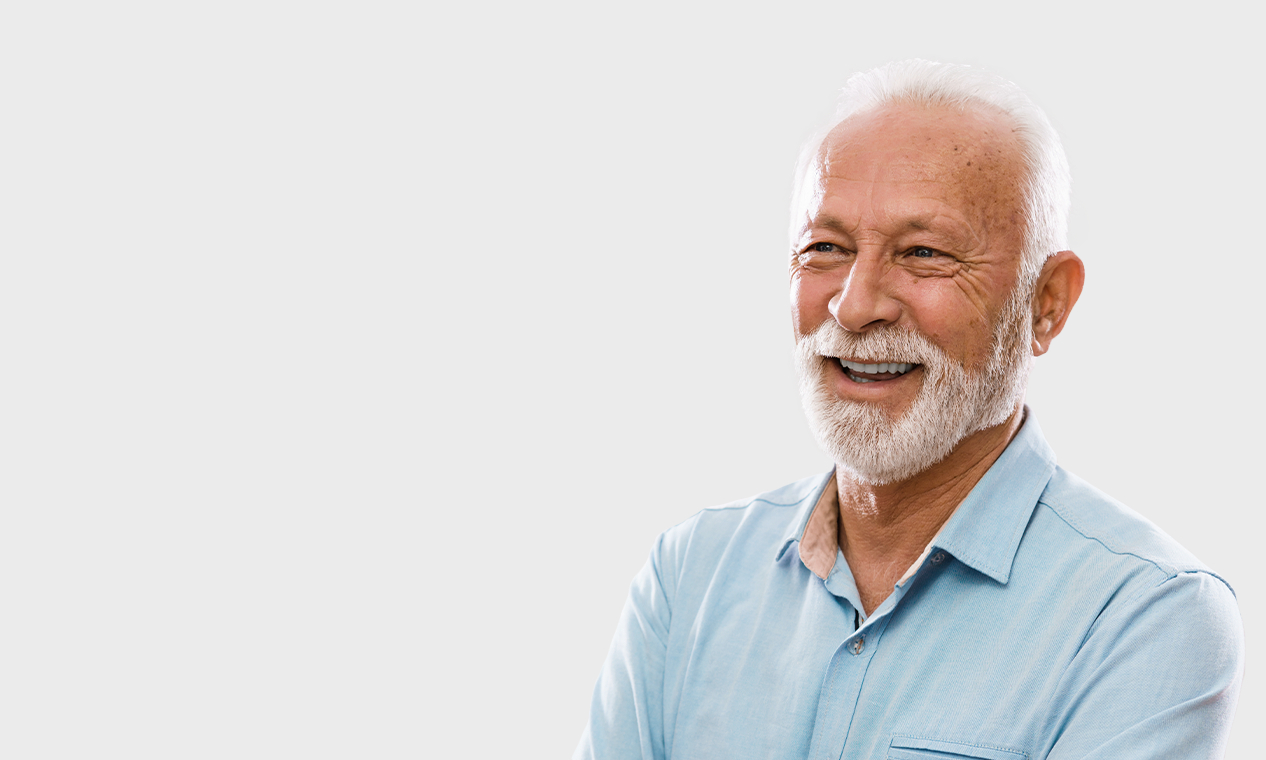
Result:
pixel 947 591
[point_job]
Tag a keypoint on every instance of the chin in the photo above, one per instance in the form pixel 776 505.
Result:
pixel 877 449
pixel 952 403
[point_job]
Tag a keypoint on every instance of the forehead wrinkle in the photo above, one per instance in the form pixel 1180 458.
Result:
pixel 959 189
pixel 931 198
pixel 936 221
pixel 870 213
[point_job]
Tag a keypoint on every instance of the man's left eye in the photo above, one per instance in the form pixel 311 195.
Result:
pixel 922 252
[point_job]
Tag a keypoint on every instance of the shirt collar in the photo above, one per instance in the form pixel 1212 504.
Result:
pixel 984 531
pixel 821 490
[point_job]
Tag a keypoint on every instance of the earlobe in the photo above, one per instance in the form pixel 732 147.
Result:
pixel 1058 288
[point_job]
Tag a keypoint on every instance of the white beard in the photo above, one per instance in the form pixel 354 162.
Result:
pixel 952 403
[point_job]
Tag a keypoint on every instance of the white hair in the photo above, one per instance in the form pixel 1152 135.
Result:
pixel 928 83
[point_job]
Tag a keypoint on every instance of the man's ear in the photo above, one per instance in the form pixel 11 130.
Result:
pixel 1058 288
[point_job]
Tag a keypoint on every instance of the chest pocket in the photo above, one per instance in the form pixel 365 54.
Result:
pixel 918 748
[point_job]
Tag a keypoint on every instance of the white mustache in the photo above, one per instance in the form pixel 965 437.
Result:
pixel 878 345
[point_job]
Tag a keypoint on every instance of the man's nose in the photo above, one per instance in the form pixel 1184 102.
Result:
pixel 863 300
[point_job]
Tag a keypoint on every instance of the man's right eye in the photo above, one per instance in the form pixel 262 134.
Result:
pixel 821 255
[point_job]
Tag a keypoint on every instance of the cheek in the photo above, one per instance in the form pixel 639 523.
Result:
pixel 953 321
pixel 810 297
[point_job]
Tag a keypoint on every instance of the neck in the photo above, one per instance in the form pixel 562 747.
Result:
pixel 884 528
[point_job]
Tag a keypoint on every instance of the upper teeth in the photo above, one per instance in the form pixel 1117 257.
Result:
pixel 878 369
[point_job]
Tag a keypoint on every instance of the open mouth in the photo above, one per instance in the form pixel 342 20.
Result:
pixel 874 373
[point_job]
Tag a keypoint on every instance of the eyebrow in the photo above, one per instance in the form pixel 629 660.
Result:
pixel 829 222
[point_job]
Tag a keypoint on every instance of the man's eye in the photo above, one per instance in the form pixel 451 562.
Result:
pixel 922 252
pixel 821 256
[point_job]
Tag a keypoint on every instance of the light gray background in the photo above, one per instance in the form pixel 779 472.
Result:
pixel 355 353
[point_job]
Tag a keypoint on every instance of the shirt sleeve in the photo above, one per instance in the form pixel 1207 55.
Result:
pixel 1157 676
pixel 626 716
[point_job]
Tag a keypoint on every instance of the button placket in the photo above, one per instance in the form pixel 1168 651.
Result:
pixel 845 678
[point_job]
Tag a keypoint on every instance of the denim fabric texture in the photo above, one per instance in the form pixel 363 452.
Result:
pixel 1046 621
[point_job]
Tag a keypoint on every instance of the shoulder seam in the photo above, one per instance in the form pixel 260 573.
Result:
pixel 733 506
pixel 1167 573
pixel 750 502
pixel 1208 572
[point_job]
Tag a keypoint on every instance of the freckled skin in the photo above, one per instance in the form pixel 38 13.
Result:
pixel 896 180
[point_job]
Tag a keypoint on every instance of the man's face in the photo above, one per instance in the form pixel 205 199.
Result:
pixel 909 254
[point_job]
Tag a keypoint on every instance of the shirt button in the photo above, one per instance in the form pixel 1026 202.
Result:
pixel 858 644
pixel 938 558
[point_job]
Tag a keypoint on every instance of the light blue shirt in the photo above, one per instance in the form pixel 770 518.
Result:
pixel 1045 621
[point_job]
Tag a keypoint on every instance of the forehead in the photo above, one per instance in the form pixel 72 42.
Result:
pixel 970 160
